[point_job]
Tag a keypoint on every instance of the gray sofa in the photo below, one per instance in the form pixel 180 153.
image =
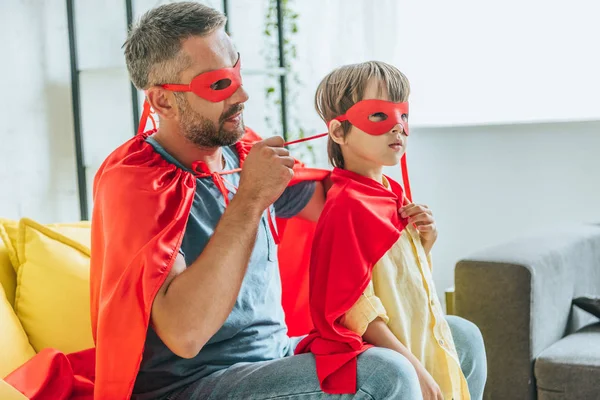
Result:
pixel 520 295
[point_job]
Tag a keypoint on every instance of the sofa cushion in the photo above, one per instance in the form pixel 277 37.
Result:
pixel 8 256
pixel 14 346
pixel 53 297
pixel 570 368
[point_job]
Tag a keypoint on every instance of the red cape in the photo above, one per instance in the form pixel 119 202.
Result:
pixel 359 224
pixel 134 245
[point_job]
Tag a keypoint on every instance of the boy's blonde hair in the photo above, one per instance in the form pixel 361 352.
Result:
pixel 345 86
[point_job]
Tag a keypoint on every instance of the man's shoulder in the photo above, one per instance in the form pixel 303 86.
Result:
pixel 132 169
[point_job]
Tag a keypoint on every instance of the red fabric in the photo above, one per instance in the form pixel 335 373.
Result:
pixel 359 224
pixel 54 375
pixel 128 266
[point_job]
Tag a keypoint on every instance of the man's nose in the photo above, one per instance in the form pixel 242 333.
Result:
pixel 240 96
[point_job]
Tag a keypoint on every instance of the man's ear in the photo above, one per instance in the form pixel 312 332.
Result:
pixel 162 102
pixel 336 132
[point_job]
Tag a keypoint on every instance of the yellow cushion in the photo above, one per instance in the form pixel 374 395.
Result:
pixel 9 258
pixel 14 345
pixel 8 255
pixel 8 392
pixel 53 297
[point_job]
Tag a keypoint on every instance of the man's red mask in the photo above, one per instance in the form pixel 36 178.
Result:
pixel 377 117
pixel 213 86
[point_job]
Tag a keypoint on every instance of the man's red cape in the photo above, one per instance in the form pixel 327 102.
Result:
pixel 141 207
pixel 358 225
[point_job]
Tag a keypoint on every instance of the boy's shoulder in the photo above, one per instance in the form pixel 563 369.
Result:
pixel 350 201
pixel 345 195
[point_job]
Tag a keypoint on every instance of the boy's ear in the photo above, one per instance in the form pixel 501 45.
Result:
pixel 336 133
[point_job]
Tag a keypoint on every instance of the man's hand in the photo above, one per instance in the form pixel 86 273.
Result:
pixel 429 388
pixel 421 216
pixel 266 172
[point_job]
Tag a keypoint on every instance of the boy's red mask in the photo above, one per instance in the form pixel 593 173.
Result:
pixel 214 86
pixel 363 113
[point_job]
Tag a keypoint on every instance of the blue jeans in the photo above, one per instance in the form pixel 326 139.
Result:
pixel 382 374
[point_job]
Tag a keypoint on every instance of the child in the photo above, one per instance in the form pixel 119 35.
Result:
pixel 371 283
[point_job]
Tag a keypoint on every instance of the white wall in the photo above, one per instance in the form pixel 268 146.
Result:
pixel 475 63
pixel 37 162
pixel 469 61
pixel 485 184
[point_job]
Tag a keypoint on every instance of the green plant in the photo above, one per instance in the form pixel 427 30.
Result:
pixel 304 151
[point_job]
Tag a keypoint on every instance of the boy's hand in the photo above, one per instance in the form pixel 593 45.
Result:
pixel 420 215
pixel 429 388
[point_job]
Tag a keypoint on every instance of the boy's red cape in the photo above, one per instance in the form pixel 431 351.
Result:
pixel 136 234
pixel 358 225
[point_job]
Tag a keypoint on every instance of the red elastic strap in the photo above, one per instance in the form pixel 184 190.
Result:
pixel 146 113
pixel 320 135
pixel 177 88
pixel 405 178
pixel 218 180
pixel 272 227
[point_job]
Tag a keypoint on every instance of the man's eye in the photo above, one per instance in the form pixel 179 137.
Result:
pixel 378 117
pixel 221 84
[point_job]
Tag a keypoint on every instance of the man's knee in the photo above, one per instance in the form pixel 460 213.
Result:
pixel 386 374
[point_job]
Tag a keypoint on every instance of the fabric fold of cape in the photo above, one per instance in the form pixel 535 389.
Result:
pixel 359 224
pixel 141 207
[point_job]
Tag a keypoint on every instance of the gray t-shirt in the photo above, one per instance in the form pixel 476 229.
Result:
pixel 255 330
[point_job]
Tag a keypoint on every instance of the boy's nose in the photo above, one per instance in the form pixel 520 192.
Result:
pixel 398 128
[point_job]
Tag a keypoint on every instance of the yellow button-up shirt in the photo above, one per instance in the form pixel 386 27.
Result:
pixel 402 293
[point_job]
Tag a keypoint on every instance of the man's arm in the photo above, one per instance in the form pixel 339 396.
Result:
pixel 305 200
pixel 315 205
pixel 194 302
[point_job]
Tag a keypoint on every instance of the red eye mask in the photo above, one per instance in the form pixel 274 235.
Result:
pixel 213 86
pixel 377 117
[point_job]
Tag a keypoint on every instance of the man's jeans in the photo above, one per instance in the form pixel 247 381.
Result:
pixel 382 374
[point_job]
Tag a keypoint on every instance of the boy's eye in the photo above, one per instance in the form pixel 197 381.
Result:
pixel 378 117
pixel 221 84
pixel 405 117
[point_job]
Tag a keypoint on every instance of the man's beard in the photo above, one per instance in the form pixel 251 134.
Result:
pixel 203 132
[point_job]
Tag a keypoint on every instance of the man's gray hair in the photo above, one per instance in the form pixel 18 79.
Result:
pixel 153 48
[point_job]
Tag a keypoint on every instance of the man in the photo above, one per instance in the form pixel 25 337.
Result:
pixel 216 326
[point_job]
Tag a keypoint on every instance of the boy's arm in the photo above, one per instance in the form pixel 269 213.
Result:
pixel 379 335
pixel 368 318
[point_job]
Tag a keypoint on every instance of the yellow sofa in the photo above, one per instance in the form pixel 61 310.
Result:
pixel 44 292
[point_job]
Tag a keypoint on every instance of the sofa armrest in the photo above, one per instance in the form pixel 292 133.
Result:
pixel 8 392
pixel 519 294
